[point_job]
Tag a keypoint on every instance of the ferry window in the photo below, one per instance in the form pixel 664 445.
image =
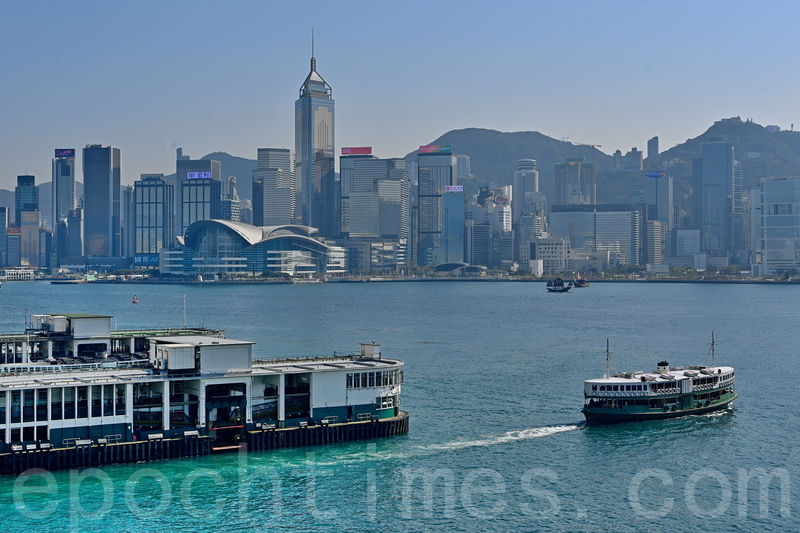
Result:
pixel 627 387
pixel 55 404
pixel 602 387
pixel 15 435
pixel 16 406
pixel 2 410
pixel 372 379
pixel 349 381
pixel 616 388
pixel 594 387
pixel 364 379
pixel 356 381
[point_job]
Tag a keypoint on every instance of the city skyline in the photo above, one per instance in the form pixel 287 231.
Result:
pixel 165 85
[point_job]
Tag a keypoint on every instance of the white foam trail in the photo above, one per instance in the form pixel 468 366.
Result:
pixel 508 436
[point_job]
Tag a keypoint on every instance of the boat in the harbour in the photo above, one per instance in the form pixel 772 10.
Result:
pixel 669 391
pixel 557 285
pixel 579 282
pixel 76 393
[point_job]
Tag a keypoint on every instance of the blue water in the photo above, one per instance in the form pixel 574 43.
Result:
pixel 494 376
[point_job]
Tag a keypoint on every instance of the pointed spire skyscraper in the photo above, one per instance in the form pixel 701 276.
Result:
pixel 314 146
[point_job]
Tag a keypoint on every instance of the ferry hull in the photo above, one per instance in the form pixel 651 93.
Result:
pixel 599 415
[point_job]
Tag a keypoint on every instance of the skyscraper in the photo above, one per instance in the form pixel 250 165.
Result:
pixel 718 199
pixel 274 201
pixel 199 190
pixel 658 196
pixel 526 181
pixel 26 197
pixel 101 192
pixel 652 150
pixel 152 225
pixel 314 140
pixel 440 226
pixel 575 182
pixel 63 184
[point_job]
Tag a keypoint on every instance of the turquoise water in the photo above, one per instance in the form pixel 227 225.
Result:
pixel 494 376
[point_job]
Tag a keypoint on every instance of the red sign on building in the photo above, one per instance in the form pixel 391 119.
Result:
pixel 362 150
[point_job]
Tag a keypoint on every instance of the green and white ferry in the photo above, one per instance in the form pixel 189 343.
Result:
pixel 666 393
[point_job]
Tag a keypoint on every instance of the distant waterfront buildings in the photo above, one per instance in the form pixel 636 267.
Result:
pixel 102 213
pixel 314 147
pixel 652 150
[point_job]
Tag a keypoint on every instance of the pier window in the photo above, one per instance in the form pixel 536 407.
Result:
pixel 56 407
pixel 119 405
pixel 83 402
pixel 41 405
pixel 27 407
pixel 108 400
pixel 16 407
pixel 97 392
pixel 69 403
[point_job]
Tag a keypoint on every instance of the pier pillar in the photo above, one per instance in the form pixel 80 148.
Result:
pixel 50 358
pixel 281 399
pixel 165 405
pixel 248 407
pixel 201 406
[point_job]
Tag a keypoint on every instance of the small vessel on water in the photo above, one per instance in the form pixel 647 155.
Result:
pixel 557 285
pixel 135 299
pixel 666 393
pixel 579 282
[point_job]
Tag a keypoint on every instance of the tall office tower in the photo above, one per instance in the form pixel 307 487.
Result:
pixel 613 228
pixel 26 197
pixel 230 199
pixel 374 192
pixel 75 233
pixel 3 228
pixel 329 197
pixel 199 190
pixel 63 185
pixel 153 200
pixel 13 246
pixel 780 244
pixel 274 201
pixel 101 191
pixel 652 150
pixel 463 169
pixel 634 160
pixel 128 215
pixel 347 163
pixel 575 182
pixel 659 198
pixel 246 211
pixel 30 224
pixel 655 242
pixel 440 227
pixel 718 199
pixel 618 160
pixel 526 181
pixel 314 139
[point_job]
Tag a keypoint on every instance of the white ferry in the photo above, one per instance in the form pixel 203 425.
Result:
pixel 665 393
pixel 69 382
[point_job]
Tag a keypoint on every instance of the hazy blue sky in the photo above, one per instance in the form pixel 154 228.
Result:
pixel 149 76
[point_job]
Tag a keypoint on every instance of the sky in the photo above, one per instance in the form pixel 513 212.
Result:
pixel 151 76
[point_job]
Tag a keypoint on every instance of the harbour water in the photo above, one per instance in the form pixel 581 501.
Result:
pixel 494 375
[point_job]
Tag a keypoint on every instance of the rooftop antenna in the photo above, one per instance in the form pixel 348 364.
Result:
pixel 608 360
pixel 313 60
